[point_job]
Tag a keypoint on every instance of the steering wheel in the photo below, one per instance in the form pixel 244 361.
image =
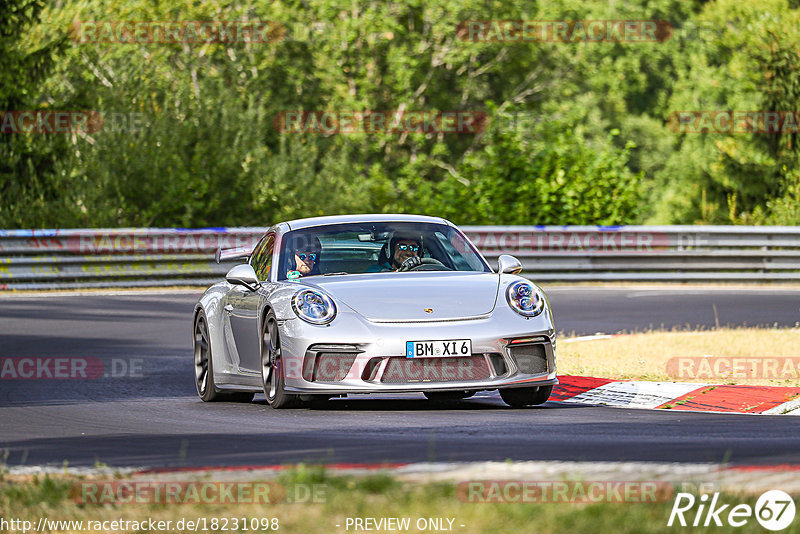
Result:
pixel 426 262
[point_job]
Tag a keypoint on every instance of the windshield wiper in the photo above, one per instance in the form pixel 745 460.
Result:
pixel 334 274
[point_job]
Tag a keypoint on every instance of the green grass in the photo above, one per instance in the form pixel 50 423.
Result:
pixel 375 496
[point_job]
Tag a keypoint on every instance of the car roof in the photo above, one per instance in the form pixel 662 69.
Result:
pixel 367 217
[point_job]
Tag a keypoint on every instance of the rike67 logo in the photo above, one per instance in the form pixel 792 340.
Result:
pixel 774 510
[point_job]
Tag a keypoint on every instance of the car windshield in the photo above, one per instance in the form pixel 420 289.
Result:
pixel 357 248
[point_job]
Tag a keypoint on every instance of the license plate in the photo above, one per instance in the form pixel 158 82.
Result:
pixel 452 347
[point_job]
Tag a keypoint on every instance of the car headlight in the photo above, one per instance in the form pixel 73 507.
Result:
pixel 313 306
pixel 525 299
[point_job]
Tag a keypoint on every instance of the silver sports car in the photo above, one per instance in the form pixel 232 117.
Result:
pixel 332 306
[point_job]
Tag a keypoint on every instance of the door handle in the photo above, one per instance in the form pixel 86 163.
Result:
pixel 228 308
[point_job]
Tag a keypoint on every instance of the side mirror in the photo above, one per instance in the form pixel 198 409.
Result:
pixel 508 264
pixel 243 275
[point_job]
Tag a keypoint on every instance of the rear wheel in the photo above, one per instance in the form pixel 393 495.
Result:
pixel 204 367
pixel 519 397
pixel 272 367
pixel 447 395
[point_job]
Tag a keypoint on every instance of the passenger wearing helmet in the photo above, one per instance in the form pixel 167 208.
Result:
pixel 303 256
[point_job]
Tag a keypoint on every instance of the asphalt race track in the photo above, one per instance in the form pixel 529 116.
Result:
pixel 148 414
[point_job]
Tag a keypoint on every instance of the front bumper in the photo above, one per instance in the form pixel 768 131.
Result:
pixel 358 356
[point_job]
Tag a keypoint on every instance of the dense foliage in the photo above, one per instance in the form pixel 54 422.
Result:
pixel 578 133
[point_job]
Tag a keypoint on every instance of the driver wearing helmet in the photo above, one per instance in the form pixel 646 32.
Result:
pixel 303 257
pixel 406 253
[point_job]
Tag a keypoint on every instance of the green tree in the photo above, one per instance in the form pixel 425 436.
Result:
pixel 544 171
pixel 31 191
pixel 748 63
pixel 189 137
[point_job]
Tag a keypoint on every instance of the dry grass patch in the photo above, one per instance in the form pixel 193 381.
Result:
pixel 748 356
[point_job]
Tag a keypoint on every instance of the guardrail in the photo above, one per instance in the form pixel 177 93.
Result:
pixel 131 257
pixel 647 253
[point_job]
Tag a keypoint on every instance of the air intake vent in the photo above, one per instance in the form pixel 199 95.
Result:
pixel 334 366
pixel 498 363
pixel 531 359
pixel 413 370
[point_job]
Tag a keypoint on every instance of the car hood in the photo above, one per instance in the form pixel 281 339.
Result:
pixel 423 296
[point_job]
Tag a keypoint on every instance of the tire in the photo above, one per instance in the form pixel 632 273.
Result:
pixel 204 367
pixel 445 396
pixel 519 397
pixel 272 369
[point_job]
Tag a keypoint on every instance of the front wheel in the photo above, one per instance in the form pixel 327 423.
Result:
pixel 519 397
pixel 272 367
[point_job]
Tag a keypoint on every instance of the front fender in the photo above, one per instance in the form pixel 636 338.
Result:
pixel 280 300
pixel 211 303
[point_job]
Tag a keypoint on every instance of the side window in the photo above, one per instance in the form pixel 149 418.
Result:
pixel 262 257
